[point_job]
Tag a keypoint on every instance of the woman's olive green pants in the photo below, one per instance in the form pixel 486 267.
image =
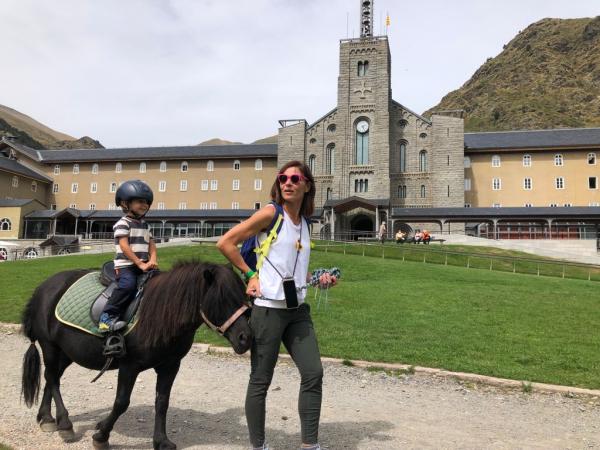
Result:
pixel 295 329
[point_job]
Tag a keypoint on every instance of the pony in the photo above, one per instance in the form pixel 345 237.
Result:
pixel 175 304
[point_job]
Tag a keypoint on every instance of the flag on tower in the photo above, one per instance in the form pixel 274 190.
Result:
pixel 387 20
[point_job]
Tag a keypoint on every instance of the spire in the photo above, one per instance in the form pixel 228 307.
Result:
pixel 366 18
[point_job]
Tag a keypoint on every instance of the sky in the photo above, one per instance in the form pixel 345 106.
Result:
pixel 136 73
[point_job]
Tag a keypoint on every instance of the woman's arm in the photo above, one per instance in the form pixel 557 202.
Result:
pixel 228 243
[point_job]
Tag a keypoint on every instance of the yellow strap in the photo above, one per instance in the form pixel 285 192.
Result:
pixel 263 249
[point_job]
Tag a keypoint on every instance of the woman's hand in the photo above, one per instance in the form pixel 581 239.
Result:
pixel 253 287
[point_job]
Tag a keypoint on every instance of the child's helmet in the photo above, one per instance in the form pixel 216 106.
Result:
pixel 133 189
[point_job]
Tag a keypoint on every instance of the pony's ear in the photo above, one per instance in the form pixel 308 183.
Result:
pixel 209 276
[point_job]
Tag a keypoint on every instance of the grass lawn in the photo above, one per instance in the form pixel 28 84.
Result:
pixel 494 323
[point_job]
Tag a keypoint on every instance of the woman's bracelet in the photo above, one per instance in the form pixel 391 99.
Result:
pixel 250 274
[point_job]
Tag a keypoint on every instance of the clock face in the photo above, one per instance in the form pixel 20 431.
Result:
pixel 362 126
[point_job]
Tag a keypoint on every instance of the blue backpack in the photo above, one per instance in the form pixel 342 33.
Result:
pixel 254 252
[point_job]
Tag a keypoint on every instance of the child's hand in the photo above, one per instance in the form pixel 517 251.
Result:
pixel 153 264
pixel 144 266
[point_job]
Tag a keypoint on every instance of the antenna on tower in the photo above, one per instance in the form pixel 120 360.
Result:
pixel 366 18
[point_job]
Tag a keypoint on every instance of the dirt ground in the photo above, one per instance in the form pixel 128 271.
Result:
pixel 361 410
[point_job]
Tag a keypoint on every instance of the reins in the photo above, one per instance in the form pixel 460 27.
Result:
pixel 223 328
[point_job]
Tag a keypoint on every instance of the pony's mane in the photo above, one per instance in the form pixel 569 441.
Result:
pixel 173 300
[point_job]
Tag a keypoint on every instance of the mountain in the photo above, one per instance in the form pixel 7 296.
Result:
pixel 548 76
pixel 37 135
pixel 218 141
pixel 267 140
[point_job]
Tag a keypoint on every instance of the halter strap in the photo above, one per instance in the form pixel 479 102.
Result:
pixel 223 328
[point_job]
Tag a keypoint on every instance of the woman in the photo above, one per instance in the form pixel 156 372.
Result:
pixel 272 321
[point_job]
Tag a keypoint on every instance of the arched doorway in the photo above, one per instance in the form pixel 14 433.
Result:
pixel 361 226
pixel 404 227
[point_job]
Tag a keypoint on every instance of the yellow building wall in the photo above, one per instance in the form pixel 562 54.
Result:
pixel 194 197
pixel 575 172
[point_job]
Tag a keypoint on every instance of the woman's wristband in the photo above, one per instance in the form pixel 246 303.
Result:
pixel 250 274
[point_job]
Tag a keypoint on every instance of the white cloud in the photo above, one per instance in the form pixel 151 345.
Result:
pixel 137 73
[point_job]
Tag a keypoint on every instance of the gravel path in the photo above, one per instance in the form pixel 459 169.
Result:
pixel 361 410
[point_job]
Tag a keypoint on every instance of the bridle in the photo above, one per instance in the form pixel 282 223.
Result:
pixel 223 328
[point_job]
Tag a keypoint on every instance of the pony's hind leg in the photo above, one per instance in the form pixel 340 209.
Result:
pixel 44 416
pixel 125 383
pixel 165 377
pixel 56 362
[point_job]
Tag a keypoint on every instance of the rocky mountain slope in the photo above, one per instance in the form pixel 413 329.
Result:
pixel 548 76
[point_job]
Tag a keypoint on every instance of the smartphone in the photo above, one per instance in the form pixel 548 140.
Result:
pixel 291 295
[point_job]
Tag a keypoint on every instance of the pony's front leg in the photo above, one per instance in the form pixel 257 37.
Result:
pixel 165 377
pixel 126 381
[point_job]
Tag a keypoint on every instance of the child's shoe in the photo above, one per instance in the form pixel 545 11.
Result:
pixel 106 322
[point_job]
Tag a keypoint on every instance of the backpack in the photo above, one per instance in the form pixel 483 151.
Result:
pixel 254 252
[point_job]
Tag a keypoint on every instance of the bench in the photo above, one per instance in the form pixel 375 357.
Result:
pixel 411 240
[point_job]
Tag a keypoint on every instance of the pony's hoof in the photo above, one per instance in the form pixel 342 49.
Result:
pixel 100 445
pixel 48 427
pixel 67 435
pixel 164 445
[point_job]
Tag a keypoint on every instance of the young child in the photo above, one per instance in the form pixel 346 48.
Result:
pixel 134 246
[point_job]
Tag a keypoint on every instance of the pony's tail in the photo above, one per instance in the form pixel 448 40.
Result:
pixel 30 381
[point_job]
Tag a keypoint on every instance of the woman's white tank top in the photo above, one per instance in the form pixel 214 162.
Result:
pixel 282 255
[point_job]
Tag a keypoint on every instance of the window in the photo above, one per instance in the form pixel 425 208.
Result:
pixel 258 164
pixel 257 205
pixel 182 205
pixel 75 169
pixel 467 205
pixel 312 140
pixel 328 193
pixel 184 166
pixel 5 224
pixel 34 186
pixel 423 191
pixel 162 186
pixel 213 205
pixel 74 188
pixel 113 187
pixel 92 207
pixel 204 185
pixel 592 183
pixel 163 166
pixel 423 161
pixel 257 184
pixel 402 123
pixel 183 185
pixel 53 207
pixel 594 204
pixel 142 167
pixel 553 205
pixel 331 128
pixel 329 159
pixel 204 205
pixel 362 147
pixel 361 185
pixel 402 191
pixel 311 163
pixel 568 205
pixel 94 169
pixel 558 159
pixel 496 205
pixel 559 182
pixel 526 160
pixel 55 188
pixel 93 187
pixel 467 184
pixel 15 182
pixel 591 159
pixel 423 135
pixel 402 156
pixel 467 162
pixel 235 205
pixel 236 166
pixel 496 161
pixel 527 184
pixel 73 206
pixel 118 167
pixel 214 185
pixel 496 184
pixel 527 205
pixel 161 205
pixel 210 165
pixel 112 206
pixel 236 185
pixel 57 169
pixel 363 68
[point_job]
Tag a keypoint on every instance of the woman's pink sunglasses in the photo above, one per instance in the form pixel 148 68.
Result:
pixel 295 178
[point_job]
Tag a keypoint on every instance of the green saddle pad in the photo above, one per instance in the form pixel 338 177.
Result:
pixel 75 305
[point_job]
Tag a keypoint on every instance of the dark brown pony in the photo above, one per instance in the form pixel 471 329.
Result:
pixel 172 309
